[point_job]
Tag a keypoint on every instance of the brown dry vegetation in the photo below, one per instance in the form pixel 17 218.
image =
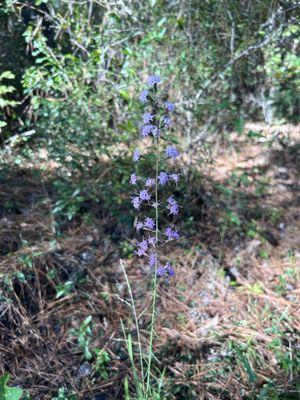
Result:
pixel 233 296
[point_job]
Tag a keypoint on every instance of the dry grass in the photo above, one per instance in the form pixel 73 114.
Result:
pixel 226 303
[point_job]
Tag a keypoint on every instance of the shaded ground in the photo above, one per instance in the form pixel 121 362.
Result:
pixel 228 324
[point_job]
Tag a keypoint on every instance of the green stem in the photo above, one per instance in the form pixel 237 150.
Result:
pixel 136 321
pixel 154 293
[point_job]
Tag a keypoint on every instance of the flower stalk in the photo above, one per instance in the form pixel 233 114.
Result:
pixel 152 193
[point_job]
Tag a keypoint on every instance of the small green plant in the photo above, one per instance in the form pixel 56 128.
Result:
pixel 63 394
pixel 84 335
pixel 64 289
pixel 286 281
pixel 287 355
pixel 6 392
pixel 264 254
pixel 255 288
pixel 101 361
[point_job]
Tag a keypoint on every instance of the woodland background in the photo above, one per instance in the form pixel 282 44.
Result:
pixel 70 77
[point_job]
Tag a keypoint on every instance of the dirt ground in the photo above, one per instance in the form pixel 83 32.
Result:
pixel 228 323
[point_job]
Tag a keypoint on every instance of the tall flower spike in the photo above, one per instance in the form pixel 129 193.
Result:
pixel 156 118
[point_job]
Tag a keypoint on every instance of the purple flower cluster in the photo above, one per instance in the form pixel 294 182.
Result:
pixel 163 178
pixel 147 117
pixel 172 152
pixel 163 270
pixel 150 182
pixel 136 155
pixel 144 96
pixel 172 233
pixel 156 119
pixel 153 80
pixel 133 179
pixel 169 106
pixel 172 206
pixel 148 130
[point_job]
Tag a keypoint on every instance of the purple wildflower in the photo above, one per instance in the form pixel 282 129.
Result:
pixel 144 195
pixel 152 260
pixel 175 177
pixel 147 118
pixel 155 204
pixel 161 271
pixel 144 96
pixel 146 130
pixel 149 129
pixel 152 80
pixel 169 106
pixel 150 182
pixel 163 178
pixel 142 248
pixel 173 209
pixel 172 152
pixel 171 201
pixel 166 121
pixel 133 179
pixel 170 269
pixel 155 131
pixel 172 233
pixel 152 241
pixel 136 155
pixel 149 223
pixel 136 202
pixel 139 225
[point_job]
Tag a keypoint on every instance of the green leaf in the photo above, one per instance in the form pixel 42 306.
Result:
pixel 162 21
pixel 246 365
pixel 7 75
pixel 6 392
pixel 125 94
pixel 233 217
pixel 161 34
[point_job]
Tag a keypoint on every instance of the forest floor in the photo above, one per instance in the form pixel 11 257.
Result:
pixel 228 323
